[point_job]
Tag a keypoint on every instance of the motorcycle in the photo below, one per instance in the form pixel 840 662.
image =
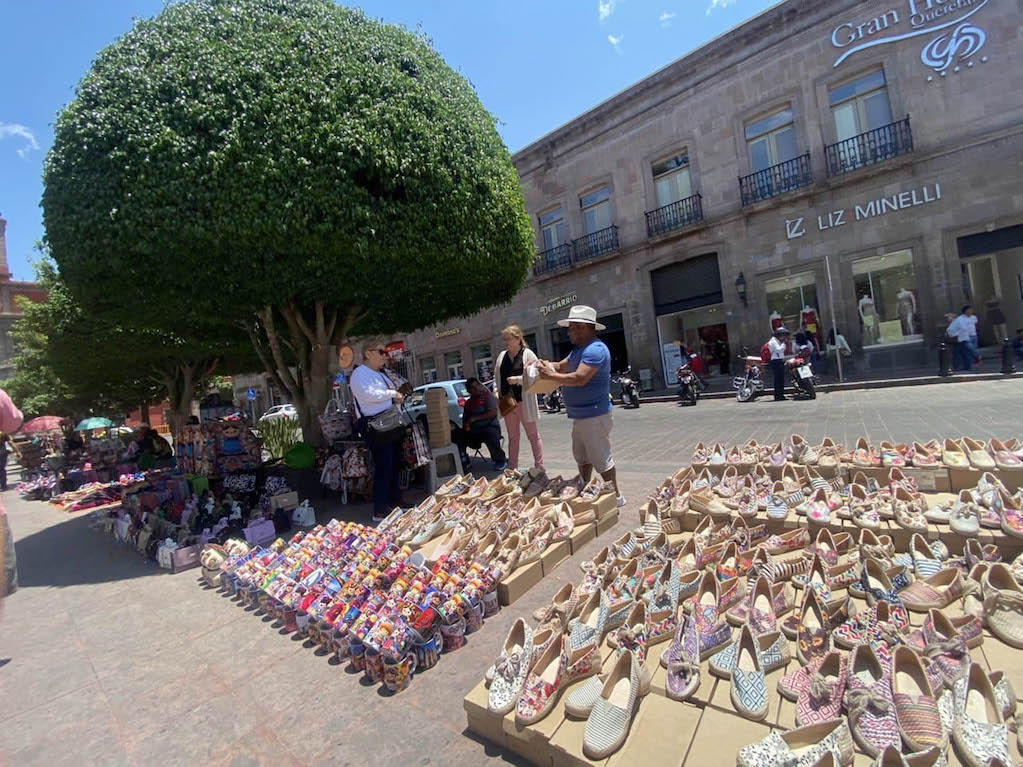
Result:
pixel 630 391
pixel 688 385
pixel 552 402
pixel 751 384
pixel 801 374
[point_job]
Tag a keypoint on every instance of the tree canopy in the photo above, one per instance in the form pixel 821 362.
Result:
pixel 256 151
pixel 291 163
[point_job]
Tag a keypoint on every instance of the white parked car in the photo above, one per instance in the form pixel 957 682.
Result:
pixel 279 411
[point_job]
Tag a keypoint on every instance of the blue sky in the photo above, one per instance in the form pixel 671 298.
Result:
pixel 535 63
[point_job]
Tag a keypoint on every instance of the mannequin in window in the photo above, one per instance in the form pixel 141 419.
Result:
pixel 776 321
pixel 808 321
pixel 868 317
pixel 905 306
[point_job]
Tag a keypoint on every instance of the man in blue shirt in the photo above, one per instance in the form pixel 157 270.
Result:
pixel 585 378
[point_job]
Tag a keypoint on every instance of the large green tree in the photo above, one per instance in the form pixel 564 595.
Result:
pixel 106 364
pixel 313 173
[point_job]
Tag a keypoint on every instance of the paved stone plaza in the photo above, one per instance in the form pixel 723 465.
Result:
pixel 106 660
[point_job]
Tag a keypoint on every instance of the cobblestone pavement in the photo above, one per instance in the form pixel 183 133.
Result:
pixel 107 660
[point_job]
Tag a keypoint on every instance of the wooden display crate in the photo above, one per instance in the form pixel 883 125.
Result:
pixel 554 555
pixel 519 582
pixel 606 522
pixel 582 535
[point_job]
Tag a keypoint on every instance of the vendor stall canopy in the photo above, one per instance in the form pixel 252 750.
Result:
pixel 95 422
pixel 43 423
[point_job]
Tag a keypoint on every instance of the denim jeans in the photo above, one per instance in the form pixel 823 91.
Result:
pixel 963 356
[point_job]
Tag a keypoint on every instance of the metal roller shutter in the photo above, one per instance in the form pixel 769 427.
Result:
pixel 687 284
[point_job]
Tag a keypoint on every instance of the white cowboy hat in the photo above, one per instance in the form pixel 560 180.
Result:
pixel 580 313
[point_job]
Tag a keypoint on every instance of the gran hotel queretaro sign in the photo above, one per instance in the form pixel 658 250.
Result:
pixel 956 38
pixel 881 206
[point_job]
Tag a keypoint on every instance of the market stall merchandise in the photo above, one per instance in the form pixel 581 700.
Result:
pixel 217 448
pixel 805 640
pixel 393 598
pixel 168 516
pixel 356 591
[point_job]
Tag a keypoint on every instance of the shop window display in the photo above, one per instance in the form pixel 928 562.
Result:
pixel 429 371
pixel 792 302
pixel 453 364
pixel 483 361
pixel 886 298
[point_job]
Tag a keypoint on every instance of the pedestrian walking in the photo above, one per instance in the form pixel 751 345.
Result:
pixel 374 394
pixel 777 346
pixel 480 425
pixel 962 329
pixel 6 446
pixel 521 412
pixel 10 421
pixel 585 378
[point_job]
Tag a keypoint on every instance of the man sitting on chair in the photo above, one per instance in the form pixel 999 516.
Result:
pixel 480 425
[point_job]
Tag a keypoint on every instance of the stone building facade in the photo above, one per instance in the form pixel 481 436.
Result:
pixel 11 289
pixel 829 163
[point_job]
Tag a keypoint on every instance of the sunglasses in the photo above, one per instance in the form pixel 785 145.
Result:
pixel 380 351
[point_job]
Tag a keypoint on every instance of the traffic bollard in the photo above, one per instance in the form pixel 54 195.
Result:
pixel 943 369
pixel 1008 364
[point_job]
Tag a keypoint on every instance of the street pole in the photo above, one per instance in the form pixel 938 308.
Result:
pixel 834 320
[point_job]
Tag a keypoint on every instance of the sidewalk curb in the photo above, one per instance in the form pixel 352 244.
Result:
pixel 889 383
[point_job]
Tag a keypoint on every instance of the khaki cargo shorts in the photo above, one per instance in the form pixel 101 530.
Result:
pixel 591 442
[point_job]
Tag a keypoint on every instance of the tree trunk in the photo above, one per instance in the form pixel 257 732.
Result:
pixel 144 413
pixel 181 383
pixel 311 335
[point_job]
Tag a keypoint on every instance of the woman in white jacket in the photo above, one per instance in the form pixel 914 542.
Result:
pixel 526 413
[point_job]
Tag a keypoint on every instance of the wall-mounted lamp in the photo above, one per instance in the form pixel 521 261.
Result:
pixel 740 288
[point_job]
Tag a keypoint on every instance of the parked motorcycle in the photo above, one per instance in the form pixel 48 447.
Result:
pixel 751 384
pixel 801 374
pixel 630 390
pixel 552 402
pixel 688 385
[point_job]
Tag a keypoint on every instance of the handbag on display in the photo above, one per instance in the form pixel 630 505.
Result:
pixel 335 423
pixel 353 462
pixel 416 448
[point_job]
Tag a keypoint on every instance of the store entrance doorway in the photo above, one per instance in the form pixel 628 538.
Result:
pixel 992 279
pixel 613 337
pixel 702 332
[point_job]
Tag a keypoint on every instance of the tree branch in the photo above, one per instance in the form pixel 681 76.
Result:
pixel 257 345
pixel 283 372
pixel 295 315
pixel 342 330
pixel 329 334
pixel 301 349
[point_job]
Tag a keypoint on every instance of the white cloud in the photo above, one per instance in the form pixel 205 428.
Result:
pixel 605 8
pixel 719 4
pixel 17 130
pixel 615 41
pixel 666 19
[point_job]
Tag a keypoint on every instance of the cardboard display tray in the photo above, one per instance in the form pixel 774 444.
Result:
pixel 1009 545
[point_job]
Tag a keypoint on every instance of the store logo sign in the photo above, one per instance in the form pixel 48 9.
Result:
pixel 447 333
pixel 917 18
pixel 558 303
pixel 881 206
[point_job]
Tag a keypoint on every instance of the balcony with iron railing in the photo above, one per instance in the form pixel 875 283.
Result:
pixel 553 259
pixel 676 215
pixel 596 244
pixel 869 148
pixel 778 179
